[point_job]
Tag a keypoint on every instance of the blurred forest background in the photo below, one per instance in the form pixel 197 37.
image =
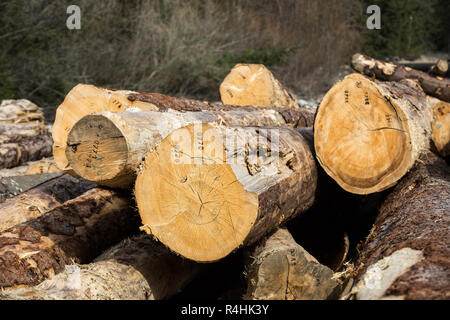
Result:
pixel 186 47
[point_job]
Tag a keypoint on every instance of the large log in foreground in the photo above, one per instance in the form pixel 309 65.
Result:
pixel 368 134
pixel 84 100
pixel 41 199
pixel 406 255
pixel 107 147
pixel 255 85
pixel 434 86
pixel 280 269
pixel 76 231
pixel 208 189
pixel 135 269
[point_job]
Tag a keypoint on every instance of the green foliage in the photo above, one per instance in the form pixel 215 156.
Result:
pixel 408 28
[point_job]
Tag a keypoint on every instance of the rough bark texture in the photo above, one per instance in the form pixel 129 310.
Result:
pixel 255 85
pixel 406 255
pixel 12 186
pixel 76 231
pixel 40 199
pixel 135 269
pixel 20 111
pixel 22 142
pixel 434 86
pixel 281 269
pixel 368 134
pixel 107 147
pixel 83 100
pixel 205 205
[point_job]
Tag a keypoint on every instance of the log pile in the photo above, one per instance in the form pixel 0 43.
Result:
pixel 154 197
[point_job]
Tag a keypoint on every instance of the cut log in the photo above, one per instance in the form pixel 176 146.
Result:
pixel 12 186
pixel 47 165
pixel 76 231
pixel 108 147
pixel 20 111
pixel 441 126
pixel 255 85
pixel 84 100
pixel 368 134
pixel 406 255
pixel 440 68
pixel 135 269
pixel 42 198
pixel 208 189
pixel 280 269
pixel 434 86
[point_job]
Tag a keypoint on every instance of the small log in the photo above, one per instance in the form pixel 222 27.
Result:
pixel 76 231
pixel 84 100
pixel 20 111
pixel 368 134
pixel 406 255
pixel 280 269
pixel 208 189
pixel 255 85
pixel 441 126
pixel 107 147
pixel 434 86
pixel 42 166
pixel 36 201
pixel 135 269
pixel 440 68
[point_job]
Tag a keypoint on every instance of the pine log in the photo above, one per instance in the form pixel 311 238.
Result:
pixel 440 68
pixel 434 86
pixel 41 199
pixel 255 85
pixel 441 126
pixel 20 111
pixel 135 269
pixel 407 253
pixel 368 134
pixel 84 100
pixel 46 165
pixel 208 189
pixel 76 231
pixel 280 269
pixel 107 147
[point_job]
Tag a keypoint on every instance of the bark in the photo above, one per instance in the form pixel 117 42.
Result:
pixel 20 111
pixel 12 186
pixel 368 134
pixel 107 147
pixel 406 255
pixel 83 100
pixel 219 187
pixel 76 231
pixel 40 199
pixel 255 85
pixel 281 269
pixel 135 269
pixel 434 86
pixel 14 154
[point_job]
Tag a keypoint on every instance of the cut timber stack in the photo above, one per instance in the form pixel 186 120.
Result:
pixel 387 71
pixel 368 134
pixel 406 255
pixel 135 269
pixel 84 100
pixel 208 189
pixel 20 111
